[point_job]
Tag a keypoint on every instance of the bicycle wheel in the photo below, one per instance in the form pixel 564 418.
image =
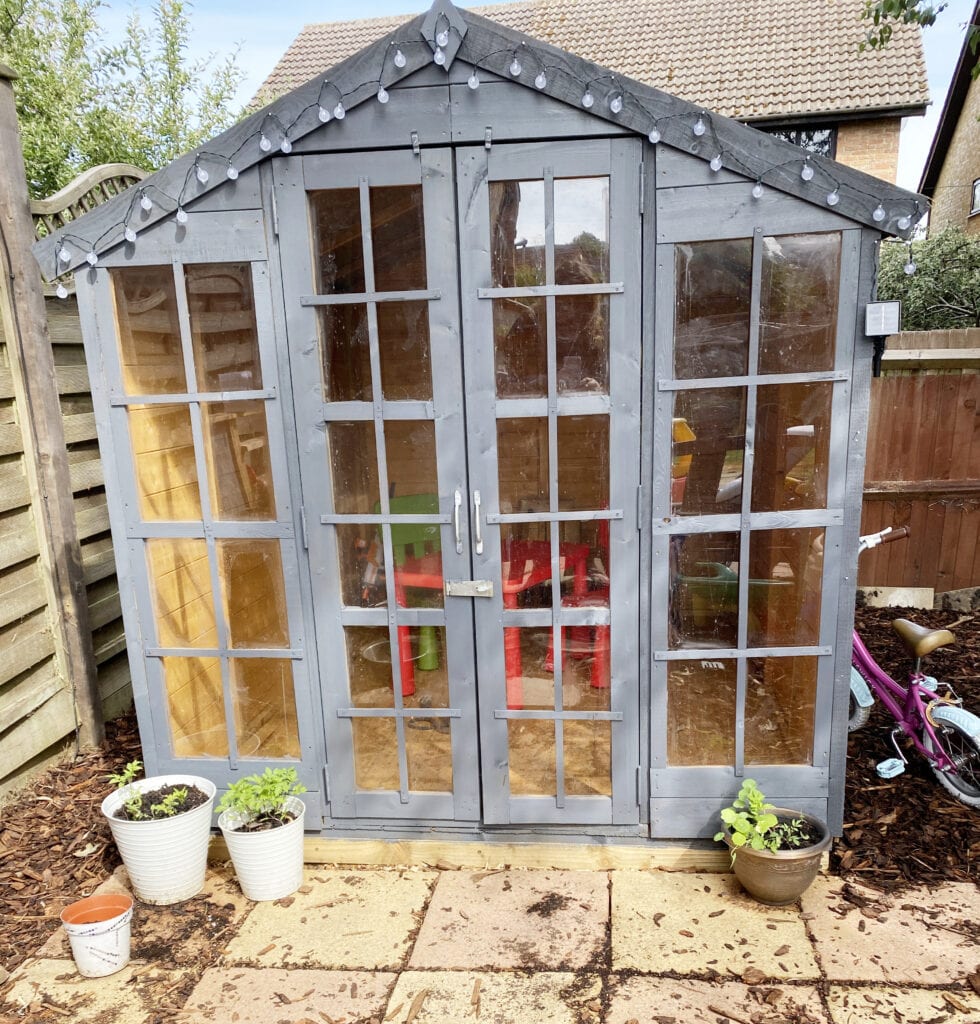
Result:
pixel 959 733
pixel 857 716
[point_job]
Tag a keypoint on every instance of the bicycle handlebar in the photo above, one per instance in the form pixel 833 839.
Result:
pixel 886 536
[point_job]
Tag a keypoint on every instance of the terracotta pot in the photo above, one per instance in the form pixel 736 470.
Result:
pixel 782 877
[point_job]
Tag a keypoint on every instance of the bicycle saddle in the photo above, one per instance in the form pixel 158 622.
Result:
pixel 921 640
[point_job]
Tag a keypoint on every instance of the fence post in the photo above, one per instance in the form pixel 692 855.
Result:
pixel 45 455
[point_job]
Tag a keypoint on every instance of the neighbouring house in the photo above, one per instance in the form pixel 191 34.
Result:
pixel 483 434
pixel 789 68
pixel 951 176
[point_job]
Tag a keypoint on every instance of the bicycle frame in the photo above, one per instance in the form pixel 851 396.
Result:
pixel 907 707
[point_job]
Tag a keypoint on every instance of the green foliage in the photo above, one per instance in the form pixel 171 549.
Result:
pixel 884 14
pixel 944 291
pixel 81 102
pixel 751 823
pixel 171 804
pixel 127 775
pixel 262 798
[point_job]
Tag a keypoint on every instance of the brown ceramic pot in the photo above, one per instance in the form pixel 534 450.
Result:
pixel 781 877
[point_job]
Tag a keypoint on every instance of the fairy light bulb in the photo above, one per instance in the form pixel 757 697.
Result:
pixel 232 172
pixel 699 127
pixel 879 214
pixel 146 202
pixel 715 164
pixel 806 172
pixel 181 215
pixel 515 67
pixel 264 144
pixel 439 57
pixel 382 94
pixel 910 267
pixel 61 291
pixel 474 80
pixel 442 38
pixel 540 80
pixel 323 114
pixel 286 146
pixel 757 190
pixel 587 99
pixel 129 234
pixel 202 175
pixel 654 136
pixel 400 59
pixel 616 104
pixel 904 222
pixel 833 198
pixel 91 258
pixel 64 256
pixel 339 112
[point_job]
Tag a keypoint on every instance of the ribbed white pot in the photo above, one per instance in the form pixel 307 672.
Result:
pixel 269 864
pixel 166 858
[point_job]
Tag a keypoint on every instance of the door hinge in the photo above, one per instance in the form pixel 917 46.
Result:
pixel 326 784
pixel 302 525
pixel 639 508
pixel 275 214
pixel 639 781
pixel 642 188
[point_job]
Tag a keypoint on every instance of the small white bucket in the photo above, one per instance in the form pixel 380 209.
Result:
pixel 269 864
pixel 99 930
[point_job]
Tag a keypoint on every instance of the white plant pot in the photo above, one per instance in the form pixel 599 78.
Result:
pixel 269 864
pixel 166 858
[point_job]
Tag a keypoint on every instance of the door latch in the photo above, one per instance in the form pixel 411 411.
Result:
pixel 469 588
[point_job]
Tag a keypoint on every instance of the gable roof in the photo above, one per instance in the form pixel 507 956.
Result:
pixel 747 59
pixel 482 44
pixel 959 87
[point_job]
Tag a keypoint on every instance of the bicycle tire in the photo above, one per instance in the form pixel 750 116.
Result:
pixel 857 716
pixel 959 732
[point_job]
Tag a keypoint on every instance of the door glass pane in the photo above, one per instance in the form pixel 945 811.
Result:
pixel 581 230
pixel 403 335
pixel 346 354
pixel 585 667
pixel 588 758
pixel 265 706
pixel 360 558
pixel 375 753
pixel 785 574
pixel 223 328
pixel 427 740
pixel 517 233
pixel 149 333
pixel 411 455
pixel 166 470
pixel 703 606
pixel 417 549
pixel 525 553
pixel 254 592
pixel 792 460
pixel 522 464
pixel 183 602
pixel 713 290
pixel 196 707
pixel 369 666
pixel 798 318
pixel 354 467
pixel 584 550
pixel 338 248
pixel 398 237
pixel 779 710
pixel 701 712
pixel 239 464
pixel 583 463
pixel 708 451
pixel 529 664
pixel 582 328
pixel 532 757
pixel 520 346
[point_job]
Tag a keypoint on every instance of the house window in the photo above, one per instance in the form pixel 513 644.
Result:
pixel 822 141
pixel 975 200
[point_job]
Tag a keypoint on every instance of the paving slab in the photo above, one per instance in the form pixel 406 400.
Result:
pixel 704 924
pixel 919 936
pixel 881 1004
pixel 52 990
pixel 271 995
pixel 669 1001
pixel 344 920
pixel 453 997
pixel 545 920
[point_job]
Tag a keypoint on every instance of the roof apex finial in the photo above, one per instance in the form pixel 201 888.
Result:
pixel 443 29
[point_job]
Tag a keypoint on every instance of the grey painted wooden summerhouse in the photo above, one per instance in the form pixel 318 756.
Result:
pixel 484 434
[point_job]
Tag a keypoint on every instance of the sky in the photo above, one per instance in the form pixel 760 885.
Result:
pixel 263 31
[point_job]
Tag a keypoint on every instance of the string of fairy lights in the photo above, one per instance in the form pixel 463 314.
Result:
pixel 331 105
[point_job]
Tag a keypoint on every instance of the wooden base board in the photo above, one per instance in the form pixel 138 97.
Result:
pixel 452 855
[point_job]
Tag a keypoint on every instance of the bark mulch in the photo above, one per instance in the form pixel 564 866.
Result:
pixel 56 848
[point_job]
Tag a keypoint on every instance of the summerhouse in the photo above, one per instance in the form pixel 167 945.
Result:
pixel 484 435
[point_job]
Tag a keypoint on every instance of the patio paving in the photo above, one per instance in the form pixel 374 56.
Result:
pixel 393 946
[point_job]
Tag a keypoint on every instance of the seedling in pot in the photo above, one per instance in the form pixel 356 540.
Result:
pixel 751 823
pixel 149 805
pixel 261 799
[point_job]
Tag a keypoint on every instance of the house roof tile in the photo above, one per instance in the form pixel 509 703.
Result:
pixel 748 59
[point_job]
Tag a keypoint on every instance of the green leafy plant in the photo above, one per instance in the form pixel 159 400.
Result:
pixel 171 804
pixel 157 803
pixel 750 822
pixel 261 799
pixel 127 775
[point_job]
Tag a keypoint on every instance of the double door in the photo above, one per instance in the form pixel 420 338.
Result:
pixel 464 345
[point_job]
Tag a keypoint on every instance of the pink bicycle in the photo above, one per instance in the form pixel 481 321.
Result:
pixel 941 730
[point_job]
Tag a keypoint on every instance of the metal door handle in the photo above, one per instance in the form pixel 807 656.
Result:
pixel 476 516
pixel 457 503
